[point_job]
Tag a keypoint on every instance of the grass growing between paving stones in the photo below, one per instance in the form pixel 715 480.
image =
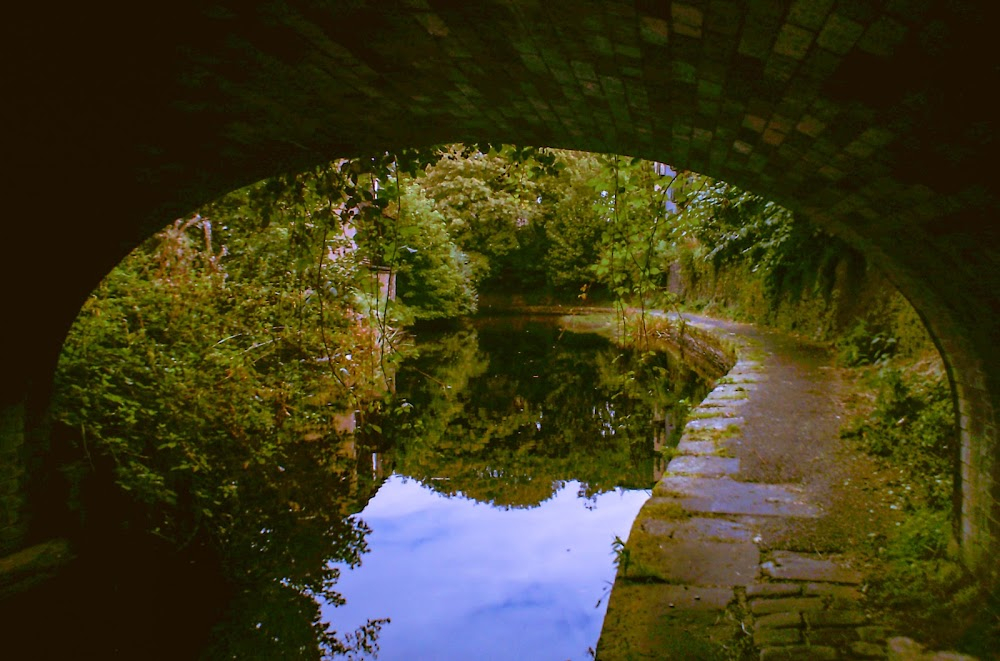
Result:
pixel 706 414
pixel 725 451
pixel 664 509
pixel 717 435
pixel 920 586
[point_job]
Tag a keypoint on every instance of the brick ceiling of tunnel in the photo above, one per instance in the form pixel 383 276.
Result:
pixel 874 118
pixel 808 100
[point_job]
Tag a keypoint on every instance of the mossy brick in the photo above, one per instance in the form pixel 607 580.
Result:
pixel 798 653
pixel 654 30
pixel 785 605
pixel 810 14
pixel 773 589
pixel 770 637
pixel 834 636
pixel 866 650
pixel 846 593
pixel 778 620
pixel 793 42
pixel 835 618
pixel 723 17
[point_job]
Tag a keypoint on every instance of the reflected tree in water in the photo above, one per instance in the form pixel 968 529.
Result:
pixel 508 417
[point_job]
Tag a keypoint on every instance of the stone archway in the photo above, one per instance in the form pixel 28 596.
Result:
pixel 875 120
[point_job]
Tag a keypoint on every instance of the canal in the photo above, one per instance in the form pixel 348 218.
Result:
pixel 527 450
pixel 475 516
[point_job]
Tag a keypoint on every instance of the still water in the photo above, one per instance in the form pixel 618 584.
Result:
pixel 530 450
pixel 464 580
pixel 476 514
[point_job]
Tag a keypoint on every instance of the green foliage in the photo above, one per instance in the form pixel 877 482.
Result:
pixel 573 226
pixel 207 376
pixel 913 423
pixel 734 226
pixel 181 368
pixel 862 346
pixel 933 594
pixel 633 200
pixel 434 276
pixel 484 200
pixel 913 428
pixel 526 218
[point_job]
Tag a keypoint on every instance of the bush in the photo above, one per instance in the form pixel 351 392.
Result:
pixel 913 424
pixel 863 346
pixel 932 594
pixel 913 427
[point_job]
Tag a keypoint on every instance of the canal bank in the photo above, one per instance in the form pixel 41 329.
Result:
pixel 757 540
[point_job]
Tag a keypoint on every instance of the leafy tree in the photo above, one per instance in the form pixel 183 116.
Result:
pixel 483 204
pixel 434 275
pixel 572 221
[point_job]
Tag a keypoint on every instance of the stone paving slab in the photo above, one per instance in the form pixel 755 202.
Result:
pixel 695 562
pixel 798 653
pixel 658 621
pixel 720 411
pixel 697 447
pixel 704 465
pixel 764 606
pixel 696 527
pixel 719 402
pixel 786 565
pixel 715 423
pixel 766 637
pixel 730 391
pixel 745 377
pixel 726 496
pixel 834 592
pixel 835 618
pixel 773 589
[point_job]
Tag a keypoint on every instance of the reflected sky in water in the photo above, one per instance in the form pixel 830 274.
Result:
pixel 464 580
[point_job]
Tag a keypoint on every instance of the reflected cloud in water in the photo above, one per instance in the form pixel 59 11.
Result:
pixel 461 579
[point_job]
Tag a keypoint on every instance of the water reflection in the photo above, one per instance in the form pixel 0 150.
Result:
pixel 504 410
pixel 525 450
pixel 463 580
pixel 521 451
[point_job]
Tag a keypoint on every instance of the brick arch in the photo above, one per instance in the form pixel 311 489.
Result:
pixel 876 120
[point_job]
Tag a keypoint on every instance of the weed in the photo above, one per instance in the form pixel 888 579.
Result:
pixel 668 452
pixel 717 435
pixel 935 595
pixel 725 451
pixel 622 554
pixel 914 426
pixel 864 346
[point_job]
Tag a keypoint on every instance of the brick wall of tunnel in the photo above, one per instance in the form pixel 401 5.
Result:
pixel 874 119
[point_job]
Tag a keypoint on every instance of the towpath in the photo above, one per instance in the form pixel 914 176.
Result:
pixel 754 542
